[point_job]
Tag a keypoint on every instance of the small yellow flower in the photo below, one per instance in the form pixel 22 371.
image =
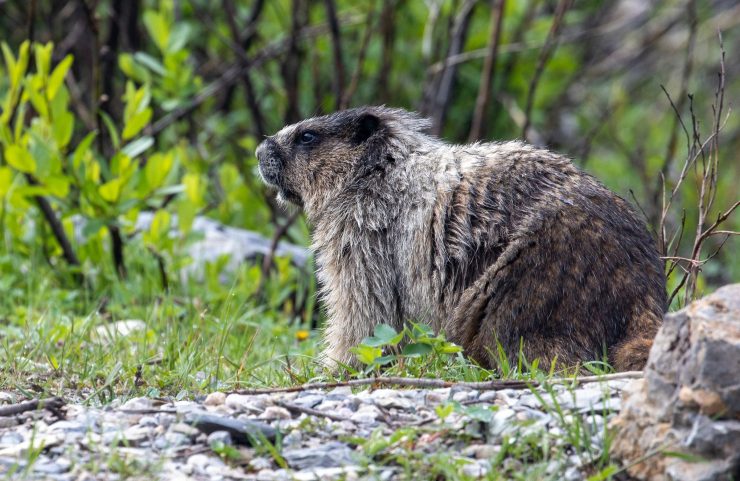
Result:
pixel 302 335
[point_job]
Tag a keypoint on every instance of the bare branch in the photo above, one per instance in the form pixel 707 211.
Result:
pixel 338 74
pixel 545 54
pixel 489 66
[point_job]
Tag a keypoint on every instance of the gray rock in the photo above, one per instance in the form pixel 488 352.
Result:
pixel 308 401
pixel 273 413
pixel 328 455
pixel 690 396
pixel 137 404
pixel 217 438
pixel 218 240
pixel 365 414
pixel 502 420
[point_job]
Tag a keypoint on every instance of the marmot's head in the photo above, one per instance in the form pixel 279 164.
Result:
pixel 314 160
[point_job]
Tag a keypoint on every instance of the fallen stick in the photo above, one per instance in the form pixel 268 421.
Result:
pixel 52 404
pixel 311 412
pixel 439 383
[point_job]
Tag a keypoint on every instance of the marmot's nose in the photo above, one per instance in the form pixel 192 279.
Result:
pixel 263 149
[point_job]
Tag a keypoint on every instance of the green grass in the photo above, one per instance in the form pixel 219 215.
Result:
pixel 202 335
pixel 198 337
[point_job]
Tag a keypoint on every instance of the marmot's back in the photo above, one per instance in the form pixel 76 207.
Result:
pixel 537 251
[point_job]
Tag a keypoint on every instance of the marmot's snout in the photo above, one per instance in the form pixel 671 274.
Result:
pixel 270 161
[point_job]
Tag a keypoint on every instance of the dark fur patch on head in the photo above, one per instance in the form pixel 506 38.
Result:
pixel 366 125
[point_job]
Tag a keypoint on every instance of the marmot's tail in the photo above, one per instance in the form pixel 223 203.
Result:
pixel 631 354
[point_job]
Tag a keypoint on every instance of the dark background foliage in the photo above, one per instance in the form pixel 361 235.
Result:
pixel 598 81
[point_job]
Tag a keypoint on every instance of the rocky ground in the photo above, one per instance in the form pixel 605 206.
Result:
pixel 385 434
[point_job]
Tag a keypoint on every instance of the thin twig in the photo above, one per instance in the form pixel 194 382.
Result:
pixel 279 233
pixel 355 80
pixel 338 74
pixel 489 66
pixel 547 51
pixel 311 412
pixel 439 93
pixel 439 383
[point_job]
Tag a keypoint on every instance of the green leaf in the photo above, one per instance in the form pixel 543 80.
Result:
pixel 112 131
pixel 43 58
pixel 135 123
pixel 111 190
pixel 138 146
pixel 444 410
pixel 157 167
pixel 6 180
pixel 57 77
pixel 179 37
pixel 367 354
pixel 384 335
pixel 158 28
pixel 152 63
pixel 63 127
pixel 58 186
pixel 132 69
pixel 82 149
pixel 416 349
pixel 383 360
pixel 92 227
pixel 19 158
pixel 10 63
pixel 480 413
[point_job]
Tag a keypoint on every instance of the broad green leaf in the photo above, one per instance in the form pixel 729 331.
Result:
pixel 157 167
pixel 43 58
pixel 92 172
pixel 57 186
pixel 111 190
pixel 135 123
pixel 186 212
pixel 92 227
pixel 19 158
pixel 193 188
pixel 63 127
pixel 158 28
pixel 6 180
pixel 152 63
pixel 178 37
pixel 367 354
pixel 480 413
pixel 383 360
pixel 138 146
pixel 56 79
pixel 38 100
pixel 384 335
pixel 416 349
pixel 120 164
pixel 159 229
pixel 82 149
pixel 132 69
pixel 10 62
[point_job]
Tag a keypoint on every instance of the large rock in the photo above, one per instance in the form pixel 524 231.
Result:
pixel 682 421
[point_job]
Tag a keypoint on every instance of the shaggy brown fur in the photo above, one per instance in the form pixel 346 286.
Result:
pixel 494 242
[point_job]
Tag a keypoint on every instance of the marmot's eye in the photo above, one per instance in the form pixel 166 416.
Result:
pixel 307 138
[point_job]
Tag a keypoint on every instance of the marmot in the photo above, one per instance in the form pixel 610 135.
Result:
pixel 489 242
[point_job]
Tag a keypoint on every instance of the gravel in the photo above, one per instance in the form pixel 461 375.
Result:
pixel 305 435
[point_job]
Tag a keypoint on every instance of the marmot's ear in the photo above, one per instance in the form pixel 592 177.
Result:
pixel 365 126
